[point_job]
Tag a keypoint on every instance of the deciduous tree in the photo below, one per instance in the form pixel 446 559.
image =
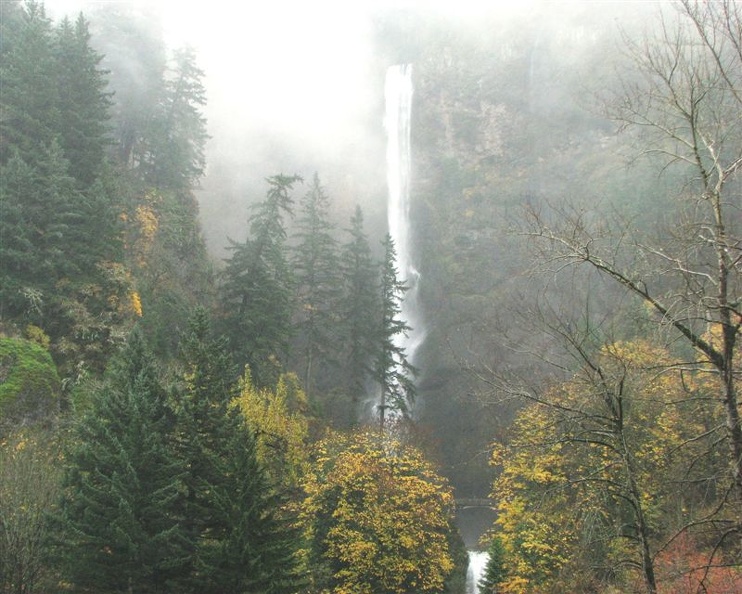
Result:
pixel 29 488
pixel 377 517
pixel 682 99
pixel 278 417
pixel 591 473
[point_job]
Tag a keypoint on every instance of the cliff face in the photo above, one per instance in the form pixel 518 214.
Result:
pixel 504 119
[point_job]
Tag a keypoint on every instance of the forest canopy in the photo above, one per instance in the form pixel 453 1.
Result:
pixel 244 415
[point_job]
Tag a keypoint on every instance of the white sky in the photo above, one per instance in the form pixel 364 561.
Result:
pixel 292 74
pixel 301 59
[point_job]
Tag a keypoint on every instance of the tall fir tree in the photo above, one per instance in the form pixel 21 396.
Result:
pixel 202 407
pixel 392 371
pixel 37 204
pixel 171 154
pixel 12 15
pixel 258 288
pixel 237 543
pixel 318 287
pixel 494 570
pixel 83 101
pixel 29 97
pixel 255 550
pixel 118 529
pixel 59 228
pixel 359 308
pixel 131 39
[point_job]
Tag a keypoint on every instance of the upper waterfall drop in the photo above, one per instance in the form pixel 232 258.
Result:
pixel 398 96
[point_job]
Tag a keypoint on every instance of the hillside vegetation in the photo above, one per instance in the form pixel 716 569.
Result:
pixel 173 421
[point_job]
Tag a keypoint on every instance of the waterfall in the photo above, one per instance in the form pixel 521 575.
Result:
pixel 397 120
pixel 477 565
pixel 398 95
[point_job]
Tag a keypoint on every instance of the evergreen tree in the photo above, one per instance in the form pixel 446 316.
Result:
pixel 391 369
pixel 29 97
pixel 83 103
pixel 203 403
pixel 494 572
pixel 257 294
pixel 237 544
pixel 248 548
pixel 130 38
pixel 37 206
pixel 121 482
pixel 359 308
pixel 316 268
pixel 56 226
pixel 171 154
pixel 59 263
pixel 12 16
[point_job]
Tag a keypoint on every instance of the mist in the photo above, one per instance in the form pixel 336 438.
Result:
pixel 295 88
pixel 292 87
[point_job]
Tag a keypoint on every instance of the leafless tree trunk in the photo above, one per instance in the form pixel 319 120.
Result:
pixel 685 107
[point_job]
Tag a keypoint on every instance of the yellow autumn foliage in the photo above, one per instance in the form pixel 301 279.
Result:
pixel 377 515
pixel 136 303
pixel 563 488
pixel 145 226
pixel 279 420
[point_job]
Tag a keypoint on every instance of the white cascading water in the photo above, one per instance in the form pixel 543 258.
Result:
pixel 397 119
pixel 477 565
pixel 398 95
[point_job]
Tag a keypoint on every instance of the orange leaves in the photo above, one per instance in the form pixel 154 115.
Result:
pixel 684 568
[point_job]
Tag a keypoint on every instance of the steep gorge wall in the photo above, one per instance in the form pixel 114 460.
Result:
pixel 501 122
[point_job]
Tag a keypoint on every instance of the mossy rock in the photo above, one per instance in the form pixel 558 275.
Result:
pixel 29 383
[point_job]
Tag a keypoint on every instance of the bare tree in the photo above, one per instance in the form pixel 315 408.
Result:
pixel 29 487
pixel 684 105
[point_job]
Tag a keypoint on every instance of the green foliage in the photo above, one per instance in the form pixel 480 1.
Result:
pixel 246 547
pixel 83 103
pixel 258 288
pixel 318 284
pixel 494 573
pixel 11 23
pixel 29 384
pixel 59 223
pixel 170 153
pixel 359 308
pixel 170 266
pixel 117 528
pixel 30 103
pixel 34 256
pixel 392 371
pixel 54 92
pixel 456 580
pixel 236 540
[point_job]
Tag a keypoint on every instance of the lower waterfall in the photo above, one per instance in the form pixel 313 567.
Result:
pixel 477 565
